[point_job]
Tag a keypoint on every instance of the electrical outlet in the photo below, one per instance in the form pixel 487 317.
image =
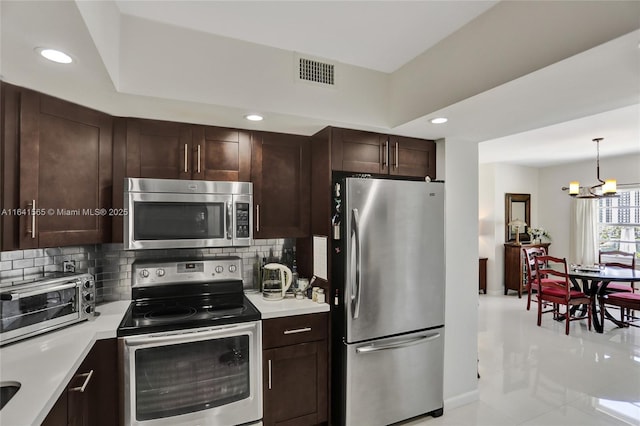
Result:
pixel 69 266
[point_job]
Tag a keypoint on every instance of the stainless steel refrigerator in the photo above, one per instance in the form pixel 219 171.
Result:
pixel 389 293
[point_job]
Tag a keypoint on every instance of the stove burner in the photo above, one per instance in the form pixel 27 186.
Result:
pixel 170 313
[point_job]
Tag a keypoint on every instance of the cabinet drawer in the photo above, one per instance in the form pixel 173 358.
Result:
pixel 285 331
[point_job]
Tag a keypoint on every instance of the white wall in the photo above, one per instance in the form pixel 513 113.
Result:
pixel 494 181
pixel 461 306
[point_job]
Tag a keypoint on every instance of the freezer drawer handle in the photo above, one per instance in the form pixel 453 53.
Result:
pixel 298 330
pixel 397 345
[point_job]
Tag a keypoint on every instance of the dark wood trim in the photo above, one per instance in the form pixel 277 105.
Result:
pixel 119 170
pixel 29 164
pixel 10 99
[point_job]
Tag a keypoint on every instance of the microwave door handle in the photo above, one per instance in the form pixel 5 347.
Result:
pixel 18 295
pixel 229 220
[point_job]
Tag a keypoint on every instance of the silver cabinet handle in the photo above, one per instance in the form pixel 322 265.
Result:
pixel 229 220
pixel 297 330
pixel 355 264
pixel 269 374
pixel 186 158
pixel 257 217
pixel 32 231
pixel 385 154
pixel 397 159
pixel 198 158
pixel 397 345
pixel 87 379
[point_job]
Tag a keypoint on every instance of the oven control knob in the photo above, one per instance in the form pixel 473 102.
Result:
pixel 88 284
pixel 88 297
pixel 88 309
pixel 160 272
pixel 233 268
pixel 144 273
pixel 219 269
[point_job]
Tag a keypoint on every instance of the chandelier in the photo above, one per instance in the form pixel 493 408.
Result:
pixel 604 188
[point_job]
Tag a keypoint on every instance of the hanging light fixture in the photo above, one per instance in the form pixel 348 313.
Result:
pixel 604 188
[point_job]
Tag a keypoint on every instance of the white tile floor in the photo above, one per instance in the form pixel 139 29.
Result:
pixel 534 375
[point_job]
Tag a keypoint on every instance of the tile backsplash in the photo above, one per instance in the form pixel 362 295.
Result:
pixel 111 265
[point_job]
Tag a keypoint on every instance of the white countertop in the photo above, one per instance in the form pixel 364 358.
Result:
pixel 285 307
pixel 44 365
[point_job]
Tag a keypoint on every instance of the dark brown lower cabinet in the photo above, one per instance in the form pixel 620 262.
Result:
pixel 295 385
pixel 91 397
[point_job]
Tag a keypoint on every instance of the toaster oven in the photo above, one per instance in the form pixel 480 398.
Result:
pixel 34 306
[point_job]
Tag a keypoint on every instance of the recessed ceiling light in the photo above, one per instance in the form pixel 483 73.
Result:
pixel 55 55
pixel 439 120
pixel 254 117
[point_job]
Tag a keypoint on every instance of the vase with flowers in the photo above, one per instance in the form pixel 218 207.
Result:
pixel 537 234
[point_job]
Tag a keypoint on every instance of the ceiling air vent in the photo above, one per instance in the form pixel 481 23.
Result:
pixel 316 71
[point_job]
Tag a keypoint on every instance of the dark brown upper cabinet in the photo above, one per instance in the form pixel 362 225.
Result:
pixel 412 157
pixel 359 152
pixel 367 152
pixel 63 153
pixel 171 150
pixel 280 166
pixel 158 149
pixel 221 154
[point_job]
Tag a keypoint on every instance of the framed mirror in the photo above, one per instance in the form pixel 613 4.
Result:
pixel 516 206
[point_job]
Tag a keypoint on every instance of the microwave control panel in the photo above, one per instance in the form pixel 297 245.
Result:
pixel 242 220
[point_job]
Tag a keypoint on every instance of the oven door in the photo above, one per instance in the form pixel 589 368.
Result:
pixel 172 220
pixel 208 376
pixel 31 310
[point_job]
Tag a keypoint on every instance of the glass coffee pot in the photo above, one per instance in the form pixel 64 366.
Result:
pixel 276 280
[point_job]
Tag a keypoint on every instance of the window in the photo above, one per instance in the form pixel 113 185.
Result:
pixel 619 222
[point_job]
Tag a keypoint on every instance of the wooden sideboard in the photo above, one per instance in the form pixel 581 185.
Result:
pixel 515 274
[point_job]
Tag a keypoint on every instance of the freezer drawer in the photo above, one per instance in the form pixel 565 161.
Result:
pixel 393 379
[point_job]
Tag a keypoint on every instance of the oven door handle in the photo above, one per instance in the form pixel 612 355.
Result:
pixel 15 295
pixel 187 336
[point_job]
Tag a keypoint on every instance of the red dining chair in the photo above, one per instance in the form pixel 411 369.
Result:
pixel 530 255
pixel 626 301
pixel 619 259
pixel 558 291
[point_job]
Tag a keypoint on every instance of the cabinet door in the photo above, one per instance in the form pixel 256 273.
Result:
pixel 65 170
pixel 295 384
pixel 158 149
pixel 359 152
pixel 58 414
pixel 281 183
pixel 221 154
pixel 412 157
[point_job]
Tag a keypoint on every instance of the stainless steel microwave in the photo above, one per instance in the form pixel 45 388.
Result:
pixel 173 213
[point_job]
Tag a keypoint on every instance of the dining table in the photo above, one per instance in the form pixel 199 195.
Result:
pixel 594 284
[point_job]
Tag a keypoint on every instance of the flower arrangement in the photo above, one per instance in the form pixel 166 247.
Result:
pixel 538 233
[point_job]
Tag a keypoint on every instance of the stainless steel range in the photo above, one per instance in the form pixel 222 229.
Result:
pixel 190 345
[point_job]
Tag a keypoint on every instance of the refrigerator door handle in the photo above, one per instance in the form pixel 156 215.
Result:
pixel 398 344
pixel 355 281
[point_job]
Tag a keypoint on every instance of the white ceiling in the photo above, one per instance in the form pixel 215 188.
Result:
pixel 513 75
pixel 379 35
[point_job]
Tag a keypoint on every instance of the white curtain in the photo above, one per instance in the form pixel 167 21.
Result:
pixel 584 231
